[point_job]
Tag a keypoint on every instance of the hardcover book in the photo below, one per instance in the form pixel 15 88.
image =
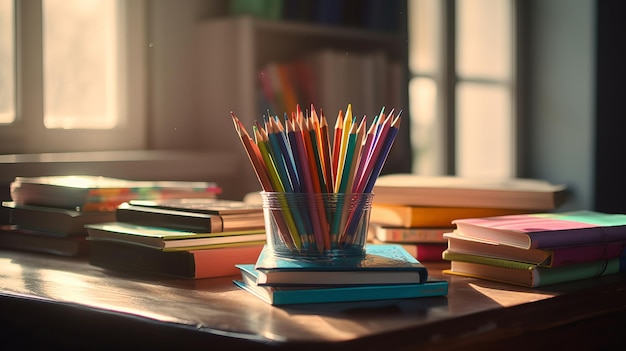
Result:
pixel 382 264
pixel 14 238
pixel 534 276
pixel 169 239
pixel 202 205
pixel 97 193
pixel 55 221
pixel 426 216
pixel 546 230
pixel 551 257
pixel 192 264
pixel 426 252
pixel 410 234
pixel 309 295
pixel 450 191
pixel 188 220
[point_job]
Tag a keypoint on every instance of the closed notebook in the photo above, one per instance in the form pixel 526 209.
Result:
pixel 189 220
pixel 423 252
pixel 546 230
pixel 192 264
pixel 551 257
pixel 310 295
pixel 97 193
pixel 14 238
pixel 533 276
pixel 169 239
pixel 410 234
pixel 382 264
pixel 451 191
pixel 56 221
pixel 430 216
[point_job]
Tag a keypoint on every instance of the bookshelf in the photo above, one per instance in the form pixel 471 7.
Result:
pixel 230 53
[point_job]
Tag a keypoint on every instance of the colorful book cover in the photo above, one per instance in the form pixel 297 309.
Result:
pixel 382 264
pixel 534 276
pixel 97 193
pixel 546 230
pixel 310 295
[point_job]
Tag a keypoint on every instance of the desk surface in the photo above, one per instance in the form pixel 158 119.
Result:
pixel 69 302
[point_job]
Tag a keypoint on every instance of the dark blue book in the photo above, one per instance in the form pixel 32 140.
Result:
pixel 309 295
pixel 382 264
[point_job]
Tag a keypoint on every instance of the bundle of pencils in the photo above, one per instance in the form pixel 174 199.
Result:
pixel 296 155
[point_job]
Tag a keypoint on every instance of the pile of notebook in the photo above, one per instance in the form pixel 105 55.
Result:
pixel 416 211
pixel 49 213
pixel 535 250
pixel 188 238
pixel 387 271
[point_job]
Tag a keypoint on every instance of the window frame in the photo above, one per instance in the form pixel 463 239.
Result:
pixel 447 81
pixel 28 134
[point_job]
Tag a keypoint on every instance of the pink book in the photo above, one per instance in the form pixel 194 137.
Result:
pixel 546 230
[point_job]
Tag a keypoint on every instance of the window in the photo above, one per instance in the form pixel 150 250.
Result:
pixel 7 62
pixel 78 81
pixel 462 89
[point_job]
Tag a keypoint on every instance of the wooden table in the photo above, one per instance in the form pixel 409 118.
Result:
pixel 50 300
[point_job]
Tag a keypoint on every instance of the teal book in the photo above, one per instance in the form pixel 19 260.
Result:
pixel 382 264
pixel 309 295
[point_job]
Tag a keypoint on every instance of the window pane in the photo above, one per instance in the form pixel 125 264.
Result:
pixel 485 136
pixel 484 34
pixel 425 17
pixel 7 61
pixel 80 63
pixel 426 127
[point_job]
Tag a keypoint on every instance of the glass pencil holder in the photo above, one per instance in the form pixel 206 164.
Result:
pixel 316 226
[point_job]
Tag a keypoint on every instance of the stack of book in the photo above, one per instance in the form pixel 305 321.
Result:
pixel 536 250
pixel 416 211
pixel 188 238
pixel 386 271
pixel 49 213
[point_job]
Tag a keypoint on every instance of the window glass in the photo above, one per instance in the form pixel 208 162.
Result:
pixel 484 132
pixel 426 127
pixel 7 61
pixel 80 64
pixel 484 39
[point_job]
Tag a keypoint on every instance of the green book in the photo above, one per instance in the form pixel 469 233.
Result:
pixel 526 274
pixel 309 295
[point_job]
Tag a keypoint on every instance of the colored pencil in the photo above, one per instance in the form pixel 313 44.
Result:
pixel 296 156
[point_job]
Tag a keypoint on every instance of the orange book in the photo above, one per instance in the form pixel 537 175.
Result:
pixel 418 216
pixel 192 264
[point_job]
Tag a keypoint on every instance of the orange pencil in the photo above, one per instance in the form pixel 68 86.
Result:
pixel 254 154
